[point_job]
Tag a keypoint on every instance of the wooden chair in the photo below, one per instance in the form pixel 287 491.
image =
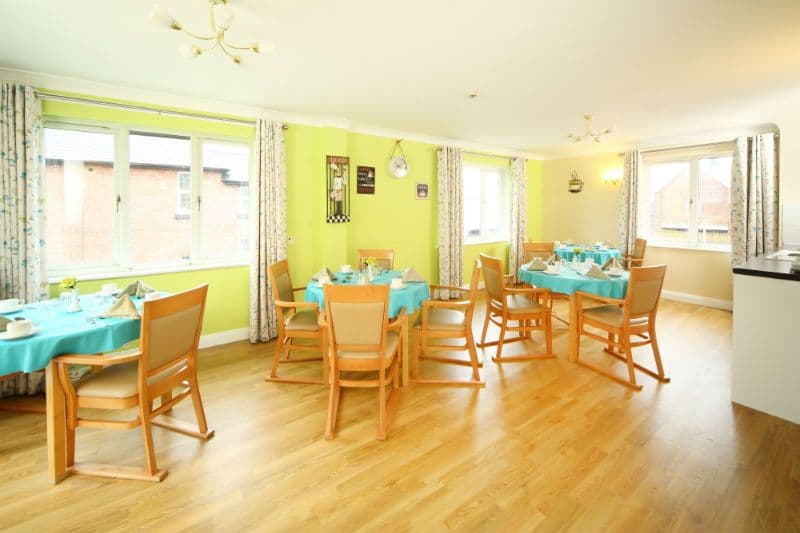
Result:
pixel 362 340
pixel 542 250
pixel 296 320
pixel 166 359
pixel 530 308
pixel 448 319
pixel 636 259
pixel 621 319
pixel 385 258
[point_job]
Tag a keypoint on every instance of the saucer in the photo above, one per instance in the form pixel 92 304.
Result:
pixel 4 336
pixel 614 274
pixel 9 311
pixel 403 286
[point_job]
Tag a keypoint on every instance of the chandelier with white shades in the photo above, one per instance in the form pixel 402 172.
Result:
pixel 589 131
pixel 221 20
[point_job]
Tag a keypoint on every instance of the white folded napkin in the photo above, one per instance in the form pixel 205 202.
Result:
pixel 122 308
pixel 411 275
pixel 552 259
pixel 137 289
pixel 595 272
pixel 325 272
pixel 537 264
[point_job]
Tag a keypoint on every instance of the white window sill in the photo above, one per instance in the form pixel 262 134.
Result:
pixel 487 241
pixel 111 273
pixel 694 247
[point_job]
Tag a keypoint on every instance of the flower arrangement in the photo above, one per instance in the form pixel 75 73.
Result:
pixel 70 282
pixel 577 250
pixel 370 262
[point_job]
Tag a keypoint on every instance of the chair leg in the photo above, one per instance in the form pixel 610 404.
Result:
pixel 657 355
pixel 199 412
pixel 610 345
pixel 498 356
pixel 277 356
pixel 416 352
pixel 486 325
pixel 382 404
pixel 473 355
pixel 147 435
pixel 333 404
pixel 629 360
pixel 548 332
pixel 70 444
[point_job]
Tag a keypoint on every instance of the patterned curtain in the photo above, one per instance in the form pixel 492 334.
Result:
pixel 22 254
pixel 519 211
pixel 451 218
pixel 754 197
pixel 270 227
pixel 628 202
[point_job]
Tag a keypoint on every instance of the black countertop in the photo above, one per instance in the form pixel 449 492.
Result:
pixel 767 268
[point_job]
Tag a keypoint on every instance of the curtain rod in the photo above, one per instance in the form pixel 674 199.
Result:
pixel 145 109
pixel 777 135
pixel 480 154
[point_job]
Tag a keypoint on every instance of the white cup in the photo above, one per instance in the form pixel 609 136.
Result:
pixel 10 304
pixel 155 295
pixel 346 269
pixel 556 244
pixel 17 328
pixel 108 289
pixel 397 283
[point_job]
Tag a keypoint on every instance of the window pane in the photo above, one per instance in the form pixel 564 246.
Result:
pixel 492 202
pixel 472 202
pixel 80 205
pixel 714 202
pixel 669 193
pixel 223 215
pixel 160 171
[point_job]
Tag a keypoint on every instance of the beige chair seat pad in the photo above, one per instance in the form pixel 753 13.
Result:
pixel 613 315
pixel 302 321
pixel 118 381
pixel 448 319
pixel 518 303
pixel 392 339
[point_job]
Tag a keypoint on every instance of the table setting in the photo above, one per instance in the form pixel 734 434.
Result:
pixel 599 252
pixel 566 277
pixel 408 288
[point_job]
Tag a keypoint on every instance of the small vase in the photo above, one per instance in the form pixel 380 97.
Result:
pixel 75 302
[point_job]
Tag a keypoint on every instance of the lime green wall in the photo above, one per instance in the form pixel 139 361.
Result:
pixel 391 218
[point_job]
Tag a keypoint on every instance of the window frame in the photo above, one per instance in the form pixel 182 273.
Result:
pixel 505 215
pixel 692 156
pixel 179 210
pixel 121 264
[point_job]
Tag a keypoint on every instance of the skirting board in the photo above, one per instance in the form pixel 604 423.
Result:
pixel 717 303
pixel 224 337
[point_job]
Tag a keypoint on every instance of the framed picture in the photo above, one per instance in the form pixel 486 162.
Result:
pixel 365 180
pixel 422 191
pixel 338 190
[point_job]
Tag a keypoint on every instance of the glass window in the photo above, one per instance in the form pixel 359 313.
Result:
pixel 159 235
pixel 485 213
pixel 225 200
pixel 184 193
pixel 670 190
pixel 714 200
pixel 81 194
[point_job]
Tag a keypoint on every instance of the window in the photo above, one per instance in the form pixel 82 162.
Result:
pixel 120 200
pixel 485 206
pixel 684 197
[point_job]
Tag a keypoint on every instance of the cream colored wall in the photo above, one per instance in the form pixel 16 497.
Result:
pixel 591 215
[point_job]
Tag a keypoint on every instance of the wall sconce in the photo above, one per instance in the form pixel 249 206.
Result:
pixel 613 177
pixel 575 183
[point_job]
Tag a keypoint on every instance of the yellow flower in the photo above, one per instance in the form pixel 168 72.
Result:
pixel 69 282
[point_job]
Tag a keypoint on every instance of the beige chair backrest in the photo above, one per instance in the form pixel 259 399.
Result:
pixel 357 316
pixel 171 328
pixel 473 291
pixel 639 248
pixel 542 250
pixel 493 277
pixel 384 258
pixel 281 282
pixel 644 289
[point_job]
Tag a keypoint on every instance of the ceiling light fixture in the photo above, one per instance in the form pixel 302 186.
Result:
pixel 589 132
pixel 221 20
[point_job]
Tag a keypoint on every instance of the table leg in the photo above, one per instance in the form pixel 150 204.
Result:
pixel 56 426
pixel 406 342
pixel 574 339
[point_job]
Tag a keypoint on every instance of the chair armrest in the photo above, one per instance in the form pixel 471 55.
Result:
pixel 580 295
pixel 297 305
pixel 400 321
pixel 449 287
pixel 530 290
pixel 99 360
pixel 295 289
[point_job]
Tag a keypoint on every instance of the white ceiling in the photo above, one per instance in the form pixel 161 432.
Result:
pixel 648 68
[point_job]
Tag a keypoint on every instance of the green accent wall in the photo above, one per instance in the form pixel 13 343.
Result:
pixel 391 218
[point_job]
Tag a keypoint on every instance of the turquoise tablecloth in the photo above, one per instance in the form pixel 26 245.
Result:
pixel 65 333
pixel 569 281
pixel 410 297
pixel 596 254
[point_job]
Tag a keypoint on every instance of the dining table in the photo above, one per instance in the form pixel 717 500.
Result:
pixel 598 254
pixel 567 281
pixel 409 297
pixel 57 332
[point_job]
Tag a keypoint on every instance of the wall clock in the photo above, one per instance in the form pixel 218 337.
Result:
pixel 398 164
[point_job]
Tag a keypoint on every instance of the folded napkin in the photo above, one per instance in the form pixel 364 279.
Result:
pixel 137 289
pixel 537 264
pixel 123 308
pixel 325 271
pixel 553 259
pixel 411 275
pixel 595 272
pixel 3 322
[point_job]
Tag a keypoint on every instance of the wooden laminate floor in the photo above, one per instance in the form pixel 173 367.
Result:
pixel 546 446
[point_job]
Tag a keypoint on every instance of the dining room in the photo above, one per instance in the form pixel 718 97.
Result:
pixel 256 288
